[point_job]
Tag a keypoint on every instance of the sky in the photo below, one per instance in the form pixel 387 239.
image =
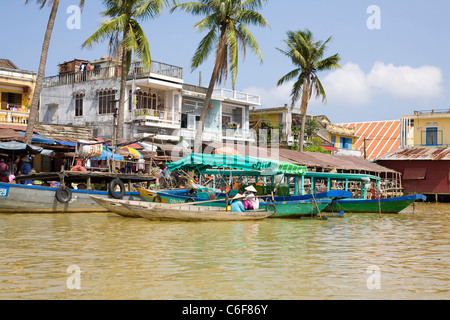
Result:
pixel 394 59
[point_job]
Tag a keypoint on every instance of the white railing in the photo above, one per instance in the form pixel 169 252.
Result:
pixel 236 95
pixel 14 117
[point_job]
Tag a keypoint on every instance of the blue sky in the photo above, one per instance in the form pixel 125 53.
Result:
pixel 387 72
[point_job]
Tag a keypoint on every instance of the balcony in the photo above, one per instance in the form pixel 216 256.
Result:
pixel 157 118
pixel 12 117
pixel 247 98
pixel 239 135
pixel 114 71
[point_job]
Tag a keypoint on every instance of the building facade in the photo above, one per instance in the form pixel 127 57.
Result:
pixel 16 92
pixel 426 128
pixel 158 104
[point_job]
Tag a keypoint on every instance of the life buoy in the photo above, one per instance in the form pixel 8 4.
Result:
pixel 189 200
pixel 63 194
pixel 112 189
pixel 273 206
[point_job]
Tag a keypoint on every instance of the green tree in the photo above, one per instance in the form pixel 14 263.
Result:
pixel 126 36
pixel 225 23
pixel 306 55
pixel 43 62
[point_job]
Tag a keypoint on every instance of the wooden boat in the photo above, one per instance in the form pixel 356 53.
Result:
pixel 117 206
pixel 187 212
pixel 19 198
pixel 385 205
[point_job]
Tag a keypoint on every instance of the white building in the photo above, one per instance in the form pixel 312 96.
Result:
pixel 158 104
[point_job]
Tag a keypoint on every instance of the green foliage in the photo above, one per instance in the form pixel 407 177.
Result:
pixel 314 146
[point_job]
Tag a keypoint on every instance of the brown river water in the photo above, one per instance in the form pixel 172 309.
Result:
pixel 104 256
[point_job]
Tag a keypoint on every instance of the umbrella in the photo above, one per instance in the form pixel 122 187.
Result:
pixel 227 151
pixel 127 151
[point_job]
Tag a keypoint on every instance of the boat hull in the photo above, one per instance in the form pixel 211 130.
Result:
pixel 297 209
pixel 192 213
pixel 388 205
pixel 117 206
pixel 15 198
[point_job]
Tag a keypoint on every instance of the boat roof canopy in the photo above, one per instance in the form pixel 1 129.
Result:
pixel 200 162
pixel 341 176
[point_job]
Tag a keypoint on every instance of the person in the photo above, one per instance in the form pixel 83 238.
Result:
pixel 3 168
pixel 236 203
pixel 26 169
pixel 141 165
pixel 129 165
pixel 250 196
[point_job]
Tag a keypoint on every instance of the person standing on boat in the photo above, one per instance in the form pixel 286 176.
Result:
pixel 250 195
pixel 236 203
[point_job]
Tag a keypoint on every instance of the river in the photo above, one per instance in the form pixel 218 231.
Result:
pixel 104 256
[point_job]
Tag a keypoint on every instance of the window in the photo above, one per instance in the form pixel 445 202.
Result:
pixel 106 101
pixel 346 143
pixel 79 105
pixel 432 136
pixel 11 100
pixel 333 140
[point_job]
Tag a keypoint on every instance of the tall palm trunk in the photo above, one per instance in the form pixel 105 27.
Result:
pixel 303 109
pixel 41 72
pixel 123 86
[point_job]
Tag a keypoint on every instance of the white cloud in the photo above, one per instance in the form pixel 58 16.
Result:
pixel 347 85
pixel 351 86
pixel 405 81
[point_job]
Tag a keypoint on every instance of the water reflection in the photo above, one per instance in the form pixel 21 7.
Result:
pixel 124 258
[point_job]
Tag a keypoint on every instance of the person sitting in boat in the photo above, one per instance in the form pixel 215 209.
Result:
pixel 250 197
pixel 236 203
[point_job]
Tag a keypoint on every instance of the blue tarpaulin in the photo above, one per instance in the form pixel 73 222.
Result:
pixel 108 155
pixel 37 138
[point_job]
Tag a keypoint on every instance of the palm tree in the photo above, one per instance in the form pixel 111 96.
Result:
pixel 41 71
pixel 225 23
pixel 127 36
pixel 307 55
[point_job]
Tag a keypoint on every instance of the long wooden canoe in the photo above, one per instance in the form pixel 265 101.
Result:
pixel 186 212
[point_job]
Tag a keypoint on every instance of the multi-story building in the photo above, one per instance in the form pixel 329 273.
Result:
pixel 16 92
pixel 159 105
pixel 426 129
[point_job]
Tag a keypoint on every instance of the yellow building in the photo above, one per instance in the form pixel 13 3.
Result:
pixel 16 92
pixel 426 128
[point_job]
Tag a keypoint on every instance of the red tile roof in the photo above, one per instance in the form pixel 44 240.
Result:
pixel 381 137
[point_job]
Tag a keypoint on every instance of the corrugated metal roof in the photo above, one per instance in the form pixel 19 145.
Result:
pixel 381 137
pixel 418 154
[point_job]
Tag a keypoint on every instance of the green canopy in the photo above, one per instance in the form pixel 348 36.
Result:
pixel 200 162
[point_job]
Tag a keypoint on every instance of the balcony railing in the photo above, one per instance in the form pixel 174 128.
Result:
pixel 160 117
pixel 226 93
pixel 15 117
pixel 111 72
pixel 137 70
pixel 239 134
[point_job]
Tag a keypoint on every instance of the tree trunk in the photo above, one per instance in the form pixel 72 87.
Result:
pixel 123 87
pixel 34 111
pixel 303 110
